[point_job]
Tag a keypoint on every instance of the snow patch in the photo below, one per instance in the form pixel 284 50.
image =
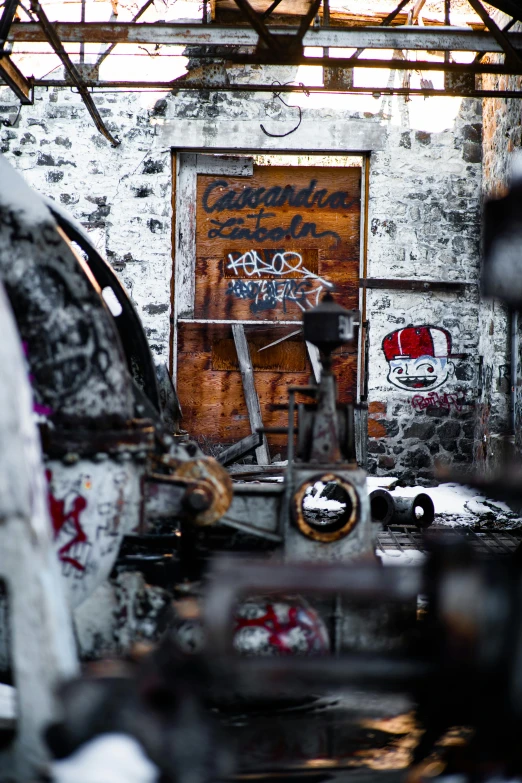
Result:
pixel 16 196
pixel 109 758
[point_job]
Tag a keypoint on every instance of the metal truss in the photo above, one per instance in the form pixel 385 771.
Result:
pixel 255 40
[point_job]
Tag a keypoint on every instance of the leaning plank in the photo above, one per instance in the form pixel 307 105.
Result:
pixel 249 389
pixel 313 355
pixel 239 449
pixel 225 165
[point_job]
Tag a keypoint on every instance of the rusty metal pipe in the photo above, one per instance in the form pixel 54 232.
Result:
pixel 391 509
pixel 382 506
pixel 418 510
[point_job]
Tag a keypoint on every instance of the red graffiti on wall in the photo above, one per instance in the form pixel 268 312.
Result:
pixel 442 401
pixel 60 517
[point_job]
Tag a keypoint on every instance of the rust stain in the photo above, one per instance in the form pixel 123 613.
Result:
pixel 376 407
pixel 376 429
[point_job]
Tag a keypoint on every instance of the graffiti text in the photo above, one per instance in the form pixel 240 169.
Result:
pixel 442 401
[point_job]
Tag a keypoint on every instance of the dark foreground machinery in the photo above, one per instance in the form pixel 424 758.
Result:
pixel 112 463
pixel 271 667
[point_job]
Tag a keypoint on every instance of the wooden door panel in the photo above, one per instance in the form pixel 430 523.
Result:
pixel 267 248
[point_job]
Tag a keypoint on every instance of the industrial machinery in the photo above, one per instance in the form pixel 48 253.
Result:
pixel 119 468
pixel 112 463
pixel 322 456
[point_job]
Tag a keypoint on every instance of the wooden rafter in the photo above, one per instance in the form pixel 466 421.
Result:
pixel 510 7
pixel 6 20
pixel 511 53
pixel 14 78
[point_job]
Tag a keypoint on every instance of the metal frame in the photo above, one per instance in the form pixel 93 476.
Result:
pixel 187 164
pixel 54 40
pixel 437 38
pixel 274 45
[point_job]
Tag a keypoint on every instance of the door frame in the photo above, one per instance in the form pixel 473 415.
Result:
pixel 184 183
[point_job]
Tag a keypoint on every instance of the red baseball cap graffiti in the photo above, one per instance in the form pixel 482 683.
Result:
pixel 416 341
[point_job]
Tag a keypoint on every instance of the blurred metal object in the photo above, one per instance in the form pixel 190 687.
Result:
pixel 502 270
pixel 126 320
pixel 40 628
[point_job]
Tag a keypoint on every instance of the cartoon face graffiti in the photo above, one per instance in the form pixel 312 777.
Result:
pixel 418 357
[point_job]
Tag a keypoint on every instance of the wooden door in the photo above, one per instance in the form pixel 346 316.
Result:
pixel 267 246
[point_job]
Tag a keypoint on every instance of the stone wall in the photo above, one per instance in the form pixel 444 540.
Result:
pixel 122 195
pixel 423 223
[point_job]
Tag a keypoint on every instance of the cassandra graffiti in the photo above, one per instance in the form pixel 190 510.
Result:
pixel 253 198
pixel 418 357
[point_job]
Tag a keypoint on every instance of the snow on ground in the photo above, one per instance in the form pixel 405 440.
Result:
pixel 108 758
pixel 393 557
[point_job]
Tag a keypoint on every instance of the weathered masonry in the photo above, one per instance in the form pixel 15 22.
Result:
pixel 397 234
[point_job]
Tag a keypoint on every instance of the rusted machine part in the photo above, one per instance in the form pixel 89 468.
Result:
pixel 186 483
pixel 382 506
pixel 40 630
pixel 326 531
pixel 209 493
pixel 418 510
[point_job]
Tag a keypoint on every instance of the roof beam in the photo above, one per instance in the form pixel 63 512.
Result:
pixel 259 26
pixel 414 37
pixel 307 19
pixel 377 92
pixel 385 22
pixel 14 78
pixel 53 38
pixel 477 67
pixel 501 37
